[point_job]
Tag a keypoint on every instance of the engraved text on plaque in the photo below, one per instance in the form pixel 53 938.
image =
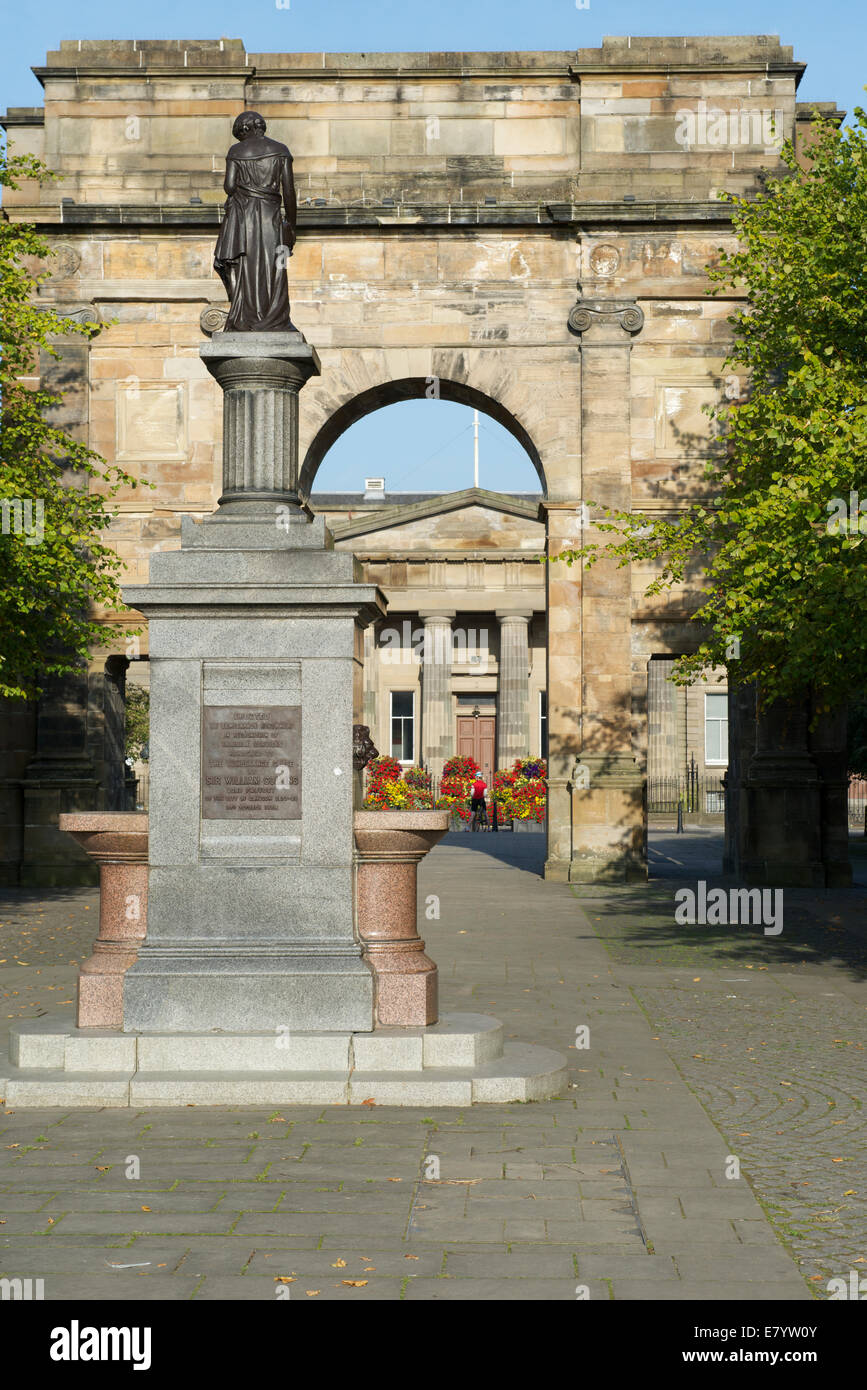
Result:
pixel 251 762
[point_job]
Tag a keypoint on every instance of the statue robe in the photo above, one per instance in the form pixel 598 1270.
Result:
pixel 247 256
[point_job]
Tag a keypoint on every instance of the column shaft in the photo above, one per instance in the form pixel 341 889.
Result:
pixel 435 687
pixel 513 723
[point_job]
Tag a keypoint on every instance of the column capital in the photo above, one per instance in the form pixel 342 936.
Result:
pixel 523 615
pixel 440 616
pixel 586 313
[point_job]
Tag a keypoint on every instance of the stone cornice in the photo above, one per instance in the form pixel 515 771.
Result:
pixel 581 217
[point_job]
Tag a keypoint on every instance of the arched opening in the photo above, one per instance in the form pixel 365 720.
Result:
pixel 458 668
pixel 424 389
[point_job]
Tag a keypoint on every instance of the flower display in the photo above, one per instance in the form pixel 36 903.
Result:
pixel 456 786
pixel 389 790
pixel 521 790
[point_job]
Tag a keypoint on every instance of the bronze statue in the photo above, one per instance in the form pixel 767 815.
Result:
pixel 363 750
pixel 255 238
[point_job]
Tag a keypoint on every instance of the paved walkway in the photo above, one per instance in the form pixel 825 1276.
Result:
pixel 703 1044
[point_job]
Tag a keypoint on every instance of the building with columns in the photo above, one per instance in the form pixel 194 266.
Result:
pixel 459 664
pixel 524 233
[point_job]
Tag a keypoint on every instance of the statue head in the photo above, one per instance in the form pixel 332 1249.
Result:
pixel 248 123
pixel 362 747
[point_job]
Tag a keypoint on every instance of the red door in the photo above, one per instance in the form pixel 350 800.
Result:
pixel 477 738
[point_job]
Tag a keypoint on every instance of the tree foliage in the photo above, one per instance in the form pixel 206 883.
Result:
pixel 138 706
pixel 786 589
pixel 55 565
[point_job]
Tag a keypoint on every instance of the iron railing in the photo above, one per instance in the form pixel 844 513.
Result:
pixel 694 793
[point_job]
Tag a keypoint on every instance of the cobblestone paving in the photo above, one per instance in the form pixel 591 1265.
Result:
pixel 617 1190
pixel 770 1034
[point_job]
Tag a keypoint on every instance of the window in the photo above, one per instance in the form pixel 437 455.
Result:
pixel 543 723
pixel 402 725
pixel 716 728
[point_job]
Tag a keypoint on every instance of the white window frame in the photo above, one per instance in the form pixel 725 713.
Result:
pixel 714 762
pixel 404 762
pixel 543 723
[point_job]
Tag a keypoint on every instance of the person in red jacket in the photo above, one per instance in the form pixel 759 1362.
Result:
pixel 480 786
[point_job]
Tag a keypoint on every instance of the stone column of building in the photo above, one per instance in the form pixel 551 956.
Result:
pixel 606 784
pixel 437 735
pixel 513 705
pixel 828 746
pixel 370 690
pixel 780 830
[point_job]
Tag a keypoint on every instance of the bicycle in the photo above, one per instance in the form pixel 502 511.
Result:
pixel 480 818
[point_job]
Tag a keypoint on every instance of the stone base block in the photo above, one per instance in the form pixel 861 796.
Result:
pixel 189 995
pixel 100 996
pixel 459 1061
pixel 406 999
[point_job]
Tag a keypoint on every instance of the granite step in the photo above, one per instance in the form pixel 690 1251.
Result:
pixel 459 1061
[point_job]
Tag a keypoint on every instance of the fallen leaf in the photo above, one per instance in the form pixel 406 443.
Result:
pixel 369 1101
pixel 410 1257
pixel 146 1208
pixel 395 1180
pixel 355 1283
pixel 312 1293
pixel 284 1279
pixel 339 1264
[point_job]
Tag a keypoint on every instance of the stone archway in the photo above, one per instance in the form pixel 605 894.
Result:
pixel 343 410
pixel 504 589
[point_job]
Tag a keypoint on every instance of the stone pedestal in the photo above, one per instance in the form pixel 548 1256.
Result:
pixel 391 845
pixel 609 820
pixel 786 795
pixel 828 747
pixel 781 830
pixel 255 629
pixel 118 842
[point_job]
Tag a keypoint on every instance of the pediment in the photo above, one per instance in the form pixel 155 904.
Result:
pixel 473 519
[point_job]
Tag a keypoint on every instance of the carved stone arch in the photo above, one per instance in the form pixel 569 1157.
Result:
pixel 338 406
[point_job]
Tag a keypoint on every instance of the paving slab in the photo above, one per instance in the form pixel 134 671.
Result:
pixel 700 1049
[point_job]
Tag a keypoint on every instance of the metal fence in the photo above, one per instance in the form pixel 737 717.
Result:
pixel 698 795
pixel 858 804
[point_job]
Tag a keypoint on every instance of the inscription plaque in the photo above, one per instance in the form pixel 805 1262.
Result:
pixel 251 762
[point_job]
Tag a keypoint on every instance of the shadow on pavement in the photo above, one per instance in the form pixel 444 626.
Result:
pixel 525 850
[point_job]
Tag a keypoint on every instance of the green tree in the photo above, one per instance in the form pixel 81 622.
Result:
pixel 138 706
pixel 55 565
pixel 786 589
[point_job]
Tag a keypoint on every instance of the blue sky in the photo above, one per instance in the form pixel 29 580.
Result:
pixel 433 450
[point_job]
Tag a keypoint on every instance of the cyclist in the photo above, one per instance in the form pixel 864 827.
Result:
pixel 477 804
